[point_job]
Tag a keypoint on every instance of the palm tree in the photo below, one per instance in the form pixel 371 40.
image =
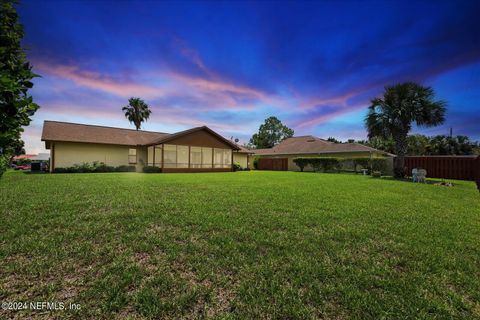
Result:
pixel 137 111
pixel 393 115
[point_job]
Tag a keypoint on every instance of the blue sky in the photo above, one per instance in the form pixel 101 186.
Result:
pixel 230 65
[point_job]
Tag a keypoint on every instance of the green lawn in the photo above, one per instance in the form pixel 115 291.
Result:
pixel 239 245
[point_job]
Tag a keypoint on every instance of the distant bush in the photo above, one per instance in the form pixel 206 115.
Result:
pixel 25 161
pixel 151 169
pixel 318 163
pixel 95 166
pixel 326 164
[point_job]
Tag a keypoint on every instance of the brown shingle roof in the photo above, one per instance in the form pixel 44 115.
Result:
pixel 244 150
pixel 170 137
pixel 312 145
pixel 74 132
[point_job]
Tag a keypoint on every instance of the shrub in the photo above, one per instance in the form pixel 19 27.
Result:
pixel 72 169
pixel 376 174
pixel 363 162
pixel 237 166
pixel 94 167
pixel 378 164
pixel 301 163
pixel 85 167
pixel 255 163
pixel 151 169
pixel 327 164
pixel 125 169
pixel 104 168
pixel 332 164
pixel 319 163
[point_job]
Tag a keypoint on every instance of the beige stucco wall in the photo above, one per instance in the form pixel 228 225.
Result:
pixel 68 154
pixel 293 167
pixel 241 158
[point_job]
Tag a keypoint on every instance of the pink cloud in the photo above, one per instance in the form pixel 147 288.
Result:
pixel 316 120
pixel 97 81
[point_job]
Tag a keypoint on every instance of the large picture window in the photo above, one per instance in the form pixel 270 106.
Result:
pixel 158 156
pixel 207 157
pixel 218 158
pixel 195 157
pixel 222 158
pixel 170 156
pixel 132 156
pixel 177 156
pixel 227 158
pixel 182 156
pixel 150 156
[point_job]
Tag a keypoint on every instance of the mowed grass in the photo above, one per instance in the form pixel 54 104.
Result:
pixel 239 245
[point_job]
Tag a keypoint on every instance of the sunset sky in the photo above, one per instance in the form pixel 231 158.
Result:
pixel 230 65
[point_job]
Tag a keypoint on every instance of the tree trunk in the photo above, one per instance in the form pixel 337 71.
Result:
pixel 400 151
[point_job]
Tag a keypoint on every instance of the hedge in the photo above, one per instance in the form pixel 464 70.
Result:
pixel 87 167
pixel 318 163
pixel 336 164
pixel 151 169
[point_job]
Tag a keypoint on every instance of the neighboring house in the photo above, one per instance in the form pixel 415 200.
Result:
pixel 194 150
pixel 24 157
pixel 281 156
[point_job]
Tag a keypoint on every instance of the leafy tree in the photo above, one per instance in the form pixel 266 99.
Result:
pixel 446 145
pixel 272 132
pixel 402 105
pixel 332 139
pixel 418 144
pixel 16 106
pixel 137 111
pixel 379 143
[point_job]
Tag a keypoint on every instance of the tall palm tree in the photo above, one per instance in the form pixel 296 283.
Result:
pixel 137 111
pixel 393 115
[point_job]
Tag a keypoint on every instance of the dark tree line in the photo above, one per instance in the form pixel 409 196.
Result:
pixel 421 145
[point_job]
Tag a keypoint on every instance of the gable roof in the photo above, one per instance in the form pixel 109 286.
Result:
pixel 75 132
pixel 173 136
pixel 312 145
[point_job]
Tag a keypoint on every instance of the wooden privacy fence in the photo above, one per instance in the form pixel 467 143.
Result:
pixel 277 164
pixel 449 167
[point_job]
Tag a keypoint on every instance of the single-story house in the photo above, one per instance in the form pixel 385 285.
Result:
pixel 195 150
pixel 281 156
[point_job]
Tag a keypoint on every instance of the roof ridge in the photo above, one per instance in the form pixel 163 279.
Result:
pixel 304 136
pixel 100 126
